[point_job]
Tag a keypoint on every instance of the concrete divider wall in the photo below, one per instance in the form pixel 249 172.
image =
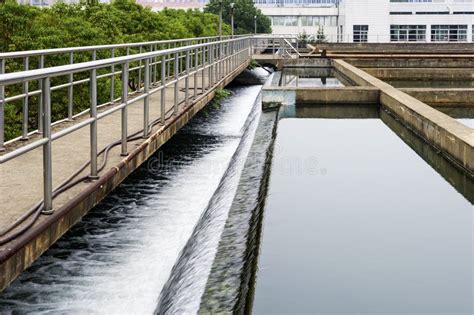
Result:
pixel 315 95
pixel 413 62
pixel 409 48
pixel 442 96
pixel 453 74
pixel 452 137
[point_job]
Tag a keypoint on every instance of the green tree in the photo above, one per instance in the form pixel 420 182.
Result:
pixel 244 13
pixel 24 27
pixel 321 36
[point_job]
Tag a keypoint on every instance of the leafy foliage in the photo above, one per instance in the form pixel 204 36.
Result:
pixel 24 27
pixel 244 13
pixel 304 38
pixel 321 36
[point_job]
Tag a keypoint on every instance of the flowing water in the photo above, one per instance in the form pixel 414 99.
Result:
pixel 361 217
pixel 118 259
pixel 467 121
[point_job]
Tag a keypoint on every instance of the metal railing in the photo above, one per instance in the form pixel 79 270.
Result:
pixel 205 63
pixel 277 45
pixel 39 59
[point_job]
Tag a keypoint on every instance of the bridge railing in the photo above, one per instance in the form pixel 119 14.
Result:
pixel 283 46
pixel 204 63
pixel 29 92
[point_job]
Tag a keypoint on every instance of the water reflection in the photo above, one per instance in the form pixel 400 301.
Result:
pixel 462 182
pixel 378 232
pixel 313 77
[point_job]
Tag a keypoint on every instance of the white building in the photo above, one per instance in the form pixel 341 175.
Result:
pixel 374 20
pixel 157 5
pixel 298 16
pixel 48 3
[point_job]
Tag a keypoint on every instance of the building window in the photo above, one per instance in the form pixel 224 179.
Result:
pixel 291 21
pixel 448 33
pixel 282 3
pixel 360 33
pixel 318 20
pixel 278 21
pixel 407 33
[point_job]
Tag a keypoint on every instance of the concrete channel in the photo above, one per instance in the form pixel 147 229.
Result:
pixel 453 138
pixel 408 111
pixel 22 251
pixel 414 114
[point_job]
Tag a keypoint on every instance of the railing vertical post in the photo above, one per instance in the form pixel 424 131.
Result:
pixel 224 59
pixel 176 76
pixel 163 90
pixel 232 53
pixel 218 62
pixel 186 81
pixel 203 66
pixel 196 67
pixel 112 79
pixel 2 108
pixel 124 150
pixel 40 98
pixel 139 71
pixel 24 134
pixel 211 65
pixel 146 100
pixel 169 63
pixel 47 152
pixel 93 125
pixel 155 76
pixel 227 59
pixel 70 91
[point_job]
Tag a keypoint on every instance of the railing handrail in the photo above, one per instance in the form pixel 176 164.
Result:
pixel 30 75
pixel 50 51
pixel 212 60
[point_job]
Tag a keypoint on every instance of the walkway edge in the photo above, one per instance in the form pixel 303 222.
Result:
pixel 23 251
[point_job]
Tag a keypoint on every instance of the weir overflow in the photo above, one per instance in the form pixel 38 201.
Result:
pixel 196 206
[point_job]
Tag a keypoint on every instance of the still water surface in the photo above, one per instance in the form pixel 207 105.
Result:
pixel 357 223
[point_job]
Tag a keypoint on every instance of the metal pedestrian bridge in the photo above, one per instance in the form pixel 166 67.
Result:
pixel 89 116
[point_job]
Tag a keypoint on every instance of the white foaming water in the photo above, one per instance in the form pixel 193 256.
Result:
pixel 183 291
pixel 122 266
pixel 467 121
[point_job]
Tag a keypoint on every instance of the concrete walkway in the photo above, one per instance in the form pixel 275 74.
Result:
pixel 21 179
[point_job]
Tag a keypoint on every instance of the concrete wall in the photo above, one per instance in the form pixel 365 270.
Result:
pixel 413 62
pixel 453 138
pixel 428 74
pixel 443 97
pixel 273 95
